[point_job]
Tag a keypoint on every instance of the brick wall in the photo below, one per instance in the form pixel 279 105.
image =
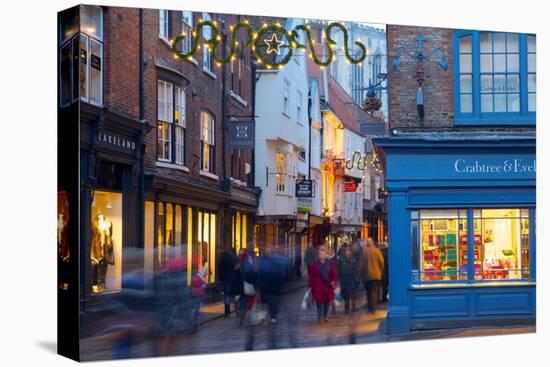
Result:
pixel 437 88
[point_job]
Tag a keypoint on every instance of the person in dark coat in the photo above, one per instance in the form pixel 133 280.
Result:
pixel 273 271
pixel 228 274
pixel 322 281
pixel 310 256
pixel 348 276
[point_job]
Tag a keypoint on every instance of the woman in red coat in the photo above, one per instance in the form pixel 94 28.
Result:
pixel 322 281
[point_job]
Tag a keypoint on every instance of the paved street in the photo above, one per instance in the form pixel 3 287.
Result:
pixel 294 329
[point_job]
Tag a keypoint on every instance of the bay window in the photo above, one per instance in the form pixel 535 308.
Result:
pixel 81 57
pixel 171 123
pixel 207 142
pixel 495 78
pixel 499 243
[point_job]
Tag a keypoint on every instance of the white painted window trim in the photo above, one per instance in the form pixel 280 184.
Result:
pixel 166 164
pixel 209 72
pixel 238 98
pixel 209 175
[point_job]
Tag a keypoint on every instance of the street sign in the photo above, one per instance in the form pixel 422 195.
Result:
pixel 241 135
pixel 304 188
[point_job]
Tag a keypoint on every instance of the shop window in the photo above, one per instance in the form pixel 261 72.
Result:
pixel 501 244
pixel 207 142
pixel 239 231
pixel 106 242
pixel 161 221
pixel 149 238
pixel 190 265
pixel 206 244
pixel 495 78
pixel 63 247
pixel 440 245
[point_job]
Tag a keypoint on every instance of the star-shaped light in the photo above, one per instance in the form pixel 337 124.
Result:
pixel 273 44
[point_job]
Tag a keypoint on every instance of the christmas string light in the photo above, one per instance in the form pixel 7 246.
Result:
pixel 256 40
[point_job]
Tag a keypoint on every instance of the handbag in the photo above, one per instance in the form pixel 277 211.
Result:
pixel 306 301
pixel 257 315
pixel 249 289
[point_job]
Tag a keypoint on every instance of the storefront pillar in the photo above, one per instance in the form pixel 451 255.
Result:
pixel 400 263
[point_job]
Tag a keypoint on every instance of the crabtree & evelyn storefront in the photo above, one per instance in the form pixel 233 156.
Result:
pixel 461 214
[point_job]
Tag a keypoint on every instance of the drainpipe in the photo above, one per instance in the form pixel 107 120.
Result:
pixel 224 107
pixel 141 116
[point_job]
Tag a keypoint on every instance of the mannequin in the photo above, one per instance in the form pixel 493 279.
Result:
pixel 63 251
pixel 102 254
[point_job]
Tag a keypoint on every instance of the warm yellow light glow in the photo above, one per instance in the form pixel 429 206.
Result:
pixel 246 21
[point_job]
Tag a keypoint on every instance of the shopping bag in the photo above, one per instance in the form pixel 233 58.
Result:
pixel 249 289
pixel 306 301
pixel 257 314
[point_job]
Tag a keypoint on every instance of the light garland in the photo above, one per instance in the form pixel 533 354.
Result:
pixel 257 43
pixel 359 160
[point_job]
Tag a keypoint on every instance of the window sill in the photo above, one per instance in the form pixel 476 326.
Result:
pixel 209 72
pixel 192 60
pixel 166 42
pixel 479 284
pixel 496 121
pixel 238 98
pixel 209 175
pixel 238 182
pixel 171 165
pixel 286 114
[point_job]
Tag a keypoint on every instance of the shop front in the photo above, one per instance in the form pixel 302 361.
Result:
pixel 110 196
pixel 461 234
pixel 183 223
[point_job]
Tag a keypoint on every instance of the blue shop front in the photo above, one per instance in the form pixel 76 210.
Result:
pixel 461 211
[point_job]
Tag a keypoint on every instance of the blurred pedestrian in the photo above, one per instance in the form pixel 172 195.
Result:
pixel 310 256
pixel 385 273
pixel 348 276
pixel 272 273
pixel 228 273
pixel 371 265
pixel 197 293
pixel 247 292
pixel 322 281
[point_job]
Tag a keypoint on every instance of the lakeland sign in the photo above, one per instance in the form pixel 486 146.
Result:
pixel 516 165
pixel 110 139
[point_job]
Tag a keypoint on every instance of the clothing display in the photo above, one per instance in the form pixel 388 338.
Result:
pixel 102 252
pixel 63 251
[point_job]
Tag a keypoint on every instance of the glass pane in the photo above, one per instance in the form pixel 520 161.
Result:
pixel 96 65
pixel 465 63
pixel 532 102
pixel 512 44
pixel 66 74
pixel 532 63
pixel 68 25
pixel 465 44
pixel 500 102
pixel 91 19
pixel 486 63
pixel 531 44
pixel 531 82
pixel 512 83
pixel 466 103
pixel 169 235
pixel 499 42
pixel 415 251
pixel 83 77
pixel 499 84
pixel 465 84
pixel 512 62
pixel 513 102
pixel 178 240
pixel 486 83
pixel 439 244
pixel 485 40
pixel 499 63
pixel 486 103
pixel 500 213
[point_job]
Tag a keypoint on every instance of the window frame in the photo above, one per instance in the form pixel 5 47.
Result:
pixel 469 220
pixel 476 117
pixel 174 124
pixel 165 25
pixel 208 132
pixel 187 29
pixel 207 57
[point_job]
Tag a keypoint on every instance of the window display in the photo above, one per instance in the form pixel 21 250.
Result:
pixel 239 231
pixel 106 242
pixel 63 249
pixel 443 242
pixel 502 238
pixel 206 249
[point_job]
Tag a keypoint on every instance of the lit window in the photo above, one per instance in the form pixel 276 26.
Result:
pixel 180 125
pixel 281 172
pixel 164 121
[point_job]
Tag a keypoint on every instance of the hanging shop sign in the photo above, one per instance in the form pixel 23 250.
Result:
pixel 241 134
pixel 117 141
pixel 339 166
pixel 350 186
pixel 304 188
pixel 267 42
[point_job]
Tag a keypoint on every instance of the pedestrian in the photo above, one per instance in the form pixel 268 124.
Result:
pixel 348 276
pixel 342 249
pixel 246 290
pixel 228 273
pixel 322 281
pixel 310 256
pixel 371 265
pixel 272 273
pixel 385 273
pixel 197 292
